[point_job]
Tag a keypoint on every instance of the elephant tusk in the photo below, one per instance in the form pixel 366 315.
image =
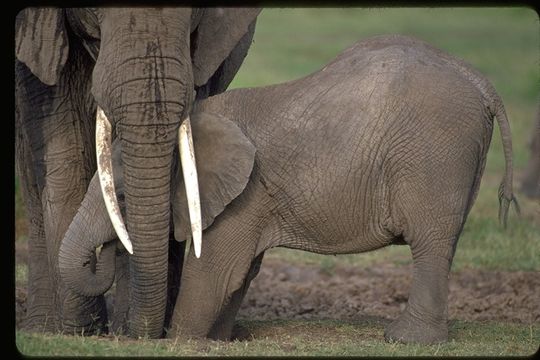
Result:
pixel 106 180
pixel 187 156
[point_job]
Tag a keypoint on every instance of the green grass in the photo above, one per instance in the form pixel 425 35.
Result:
pixel 504 44
pixel 298 338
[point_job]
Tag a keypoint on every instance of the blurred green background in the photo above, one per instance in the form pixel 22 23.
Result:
pixel 504 44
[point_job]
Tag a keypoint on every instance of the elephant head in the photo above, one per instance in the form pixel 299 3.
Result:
pixel 226 159
pixel 149 65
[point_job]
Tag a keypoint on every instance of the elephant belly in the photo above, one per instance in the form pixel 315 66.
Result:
pixel 335 221
pixel 331 238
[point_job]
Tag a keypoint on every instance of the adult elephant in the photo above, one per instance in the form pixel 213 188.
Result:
pixel 143 67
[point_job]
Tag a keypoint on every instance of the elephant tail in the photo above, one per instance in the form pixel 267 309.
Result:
pixel 506 196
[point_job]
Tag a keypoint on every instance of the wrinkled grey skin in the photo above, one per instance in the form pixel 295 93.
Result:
pixel 531 180
pixel 143 67
pixel 385 145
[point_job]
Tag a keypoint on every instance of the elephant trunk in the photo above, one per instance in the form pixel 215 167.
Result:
pixel 148 132
pixel 147 178
pixel 143 81
pixel 89 229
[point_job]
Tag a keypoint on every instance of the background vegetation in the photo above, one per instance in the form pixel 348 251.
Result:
pixel 503 43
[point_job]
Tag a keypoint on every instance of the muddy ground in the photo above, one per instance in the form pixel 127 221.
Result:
pixel 285 291
pixel 282 291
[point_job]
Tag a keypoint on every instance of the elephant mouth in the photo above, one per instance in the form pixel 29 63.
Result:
pixel 105 173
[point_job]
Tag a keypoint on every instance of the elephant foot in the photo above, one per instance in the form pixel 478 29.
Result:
pixel 93 324
pixel 178 333
pixel 411 329
pixel 241 333
pixel 89 330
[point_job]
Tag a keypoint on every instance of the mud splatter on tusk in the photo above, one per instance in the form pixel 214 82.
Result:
pixel 106 179
pixel 189 170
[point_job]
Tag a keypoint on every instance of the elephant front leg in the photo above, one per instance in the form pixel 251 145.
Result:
pixel 214 284
pixel 56 124
pixel 198 304
pixel 424 320
pixel 39 313
pixel 67 174
pixel 174 274
pixel 222 328
pixel 121 296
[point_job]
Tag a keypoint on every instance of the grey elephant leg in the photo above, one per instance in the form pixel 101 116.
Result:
pixel 424 320
pixel 65 185
pixel 176 262
pixel 432 233
pixel 67 174
pixel 39 313
pixel 40 310
pixel 431 218
pixel 57 124
pixel 223 326
pixel 210 282
pixel 121 297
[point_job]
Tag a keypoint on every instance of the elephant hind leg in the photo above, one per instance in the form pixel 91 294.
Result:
pixel 424 319
pixel 432 219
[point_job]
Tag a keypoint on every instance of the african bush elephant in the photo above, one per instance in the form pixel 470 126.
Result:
pixel 143 67
pixel 384 145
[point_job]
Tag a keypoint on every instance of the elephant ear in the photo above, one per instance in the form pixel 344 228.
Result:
pixel 41 42
pixel 224 158
pixel 217 34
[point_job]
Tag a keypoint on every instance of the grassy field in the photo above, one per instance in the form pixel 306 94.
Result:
pixel 279 338
pixel 503 43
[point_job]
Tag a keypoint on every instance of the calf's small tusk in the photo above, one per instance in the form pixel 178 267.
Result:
pixel 106 180
pixel 189 170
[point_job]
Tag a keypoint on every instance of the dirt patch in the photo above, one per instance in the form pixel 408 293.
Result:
pixel 283 291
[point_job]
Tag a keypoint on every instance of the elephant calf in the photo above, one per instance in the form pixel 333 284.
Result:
pixel 385 145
